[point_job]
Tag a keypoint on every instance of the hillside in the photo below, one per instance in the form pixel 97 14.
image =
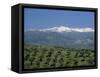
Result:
pixel 64 39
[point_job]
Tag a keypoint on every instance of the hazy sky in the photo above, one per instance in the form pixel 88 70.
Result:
pixel 44 18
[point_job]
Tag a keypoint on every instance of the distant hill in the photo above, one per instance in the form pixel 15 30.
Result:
pixel 72 38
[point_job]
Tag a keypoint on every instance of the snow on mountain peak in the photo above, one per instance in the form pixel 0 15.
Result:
pixel 64 29
pixel 58 29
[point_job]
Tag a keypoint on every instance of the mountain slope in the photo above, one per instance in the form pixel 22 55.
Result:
pixel 64 39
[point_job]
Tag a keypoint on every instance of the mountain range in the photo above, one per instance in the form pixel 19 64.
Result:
pixel 64 29
pixel 61 36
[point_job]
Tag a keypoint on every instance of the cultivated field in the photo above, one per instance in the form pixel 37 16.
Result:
pixel 38 56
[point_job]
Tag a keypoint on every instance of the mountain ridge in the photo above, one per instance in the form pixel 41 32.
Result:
pixel 67 39
pixel 63 29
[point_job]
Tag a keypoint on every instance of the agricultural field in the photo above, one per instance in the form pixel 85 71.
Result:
pixel 41 56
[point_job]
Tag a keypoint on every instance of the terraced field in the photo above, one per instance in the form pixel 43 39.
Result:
pixel 38 56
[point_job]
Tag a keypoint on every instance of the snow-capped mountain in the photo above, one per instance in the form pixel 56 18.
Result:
pixel 61 36
pixel 64 29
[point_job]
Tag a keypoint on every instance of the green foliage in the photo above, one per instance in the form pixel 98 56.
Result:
pixel 38 56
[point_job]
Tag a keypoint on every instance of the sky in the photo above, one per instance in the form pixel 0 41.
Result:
pixel 47 18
